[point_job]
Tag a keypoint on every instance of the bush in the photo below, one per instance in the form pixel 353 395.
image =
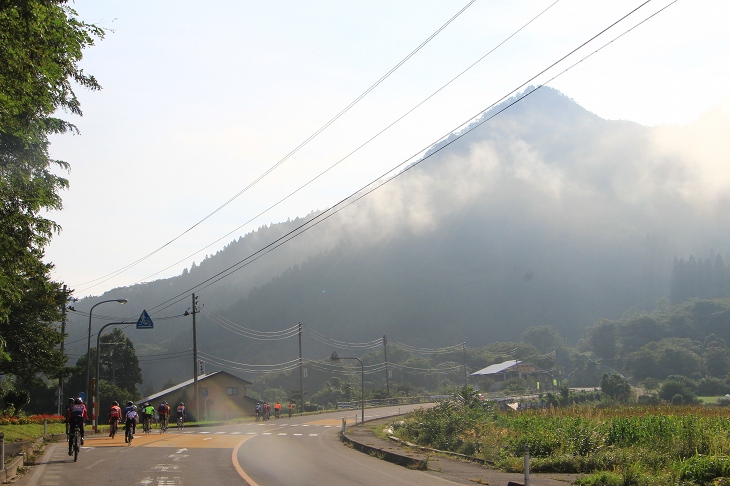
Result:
pixel 703 469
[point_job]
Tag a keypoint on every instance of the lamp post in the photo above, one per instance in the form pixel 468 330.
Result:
pixel 334 357
pixel 98 365
pixel 88 347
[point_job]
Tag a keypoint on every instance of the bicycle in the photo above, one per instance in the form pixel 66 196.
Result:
pixel 147 427
pixel 129 434
pixel 180 423
pixel 113 427
pixel 163 424
pixel 74 442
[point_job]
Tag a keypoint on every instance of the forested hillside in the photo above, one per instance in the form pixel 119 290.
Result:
pixel 537 217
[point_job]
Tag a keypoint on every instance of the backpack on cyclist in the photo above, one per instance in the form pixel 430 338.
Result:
pixel 162 409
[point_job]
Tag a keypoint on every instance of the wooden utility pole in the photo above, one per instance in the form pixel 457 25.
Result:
pixel 195 361
pixel 301 372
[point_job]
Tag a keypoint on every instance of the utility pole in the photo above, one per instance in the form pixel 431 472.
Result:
pixel 63 340
pixel 195 361
pixel 387 379
pixel 301 372
pixel 466 376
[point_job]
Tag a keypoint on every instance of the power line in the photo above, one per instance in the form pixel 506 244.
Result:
pixel 463 130
pixel 388 127
pixel 111 275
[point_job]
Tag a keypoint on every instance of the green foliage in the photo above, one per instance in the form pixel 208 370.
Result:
pixel 40 47
pixel 622 445
pixel 700 469
pixel 616 387
pixel 678 386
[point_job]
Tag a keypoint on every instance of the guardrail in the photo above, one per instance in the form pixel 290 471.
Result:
pixel 385 402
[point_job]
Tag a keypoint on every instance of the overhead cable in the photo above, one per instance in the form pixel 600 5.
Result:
pixel 377 183
pixel 111 275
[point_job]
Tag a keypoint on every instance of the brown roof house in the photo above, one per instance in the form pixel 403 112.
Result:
pixel 222 397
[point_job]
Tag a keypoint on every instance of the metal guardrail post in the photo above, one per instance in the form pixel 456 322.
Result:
pixel 2 451
pixel 344 425
pixel 527 466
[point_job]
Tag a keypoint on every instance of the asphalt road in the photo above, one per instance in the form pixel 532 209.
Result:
pixel 301 451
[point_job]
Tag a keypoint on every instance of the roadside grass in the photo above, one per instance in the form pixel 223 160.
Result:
pixel 712 400
pixel 21 432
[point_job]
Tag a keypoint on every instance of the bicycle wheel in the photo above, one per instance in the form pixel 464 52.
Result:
pixel 76 445
pixel 112 429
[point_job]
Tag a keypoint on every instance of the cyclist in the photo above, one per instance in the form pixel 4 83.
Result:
pixel 180 414
pixel 148 413
pixel 68 413
pixel 77 418
pixel 291 408
pixel 258 411
pixel 267 410
pixel 130 406
pixel 115 414
pixel 130 417
pixel 277 410
pixel 163 411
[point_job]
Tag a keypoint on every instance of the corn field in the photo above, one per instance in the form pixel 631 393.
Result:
pixel 626 445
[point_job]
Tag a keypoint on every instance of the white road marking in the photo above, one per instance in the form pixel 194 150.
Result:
pixel 313 435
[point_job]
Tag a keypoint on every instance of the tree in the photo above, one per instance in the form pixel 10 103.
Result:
pixel 118 365
pixel 40 47
pixel 543 338
pixel 31 339
pixel 603 339
pixel 616 387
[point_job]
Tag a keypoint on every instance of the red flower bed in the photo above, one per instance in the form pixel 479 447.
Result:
pixel 31 419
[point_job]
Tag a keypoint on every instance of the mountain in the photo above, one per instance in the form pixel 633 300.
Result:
pixel 543 214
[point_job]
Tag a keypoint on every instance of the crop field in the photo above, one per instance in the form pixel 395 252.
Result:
pixel 615 445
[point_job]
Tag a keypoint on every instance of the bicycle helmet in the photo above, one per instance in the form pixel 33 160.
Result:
pixel 181 403
pixel 134 407
pixel 147 404
pixel 78 400
pixel 71 400
pixel 130 403
pixel 115 403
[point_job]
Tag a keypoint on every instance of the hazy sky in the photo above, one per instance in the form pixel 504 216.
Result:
pixel 200 99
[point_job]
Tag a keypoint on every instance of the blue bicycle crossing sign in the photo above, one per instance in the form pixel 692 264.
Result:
pixel 144 321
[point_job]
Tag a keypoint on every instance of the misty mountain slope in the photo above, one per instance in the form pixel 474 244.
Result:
pixel 546 214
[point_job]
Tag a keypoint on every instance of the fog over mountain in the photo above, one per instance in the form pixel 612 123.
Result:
pixel 546 214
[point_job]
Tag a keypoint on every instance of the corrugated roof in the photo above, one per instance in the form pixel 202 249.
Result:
pixel 186 383
pixel 497 368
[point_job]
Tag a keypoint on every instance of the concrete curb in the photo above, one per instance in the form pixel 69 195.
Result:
pixel 395 458
pixel 10 472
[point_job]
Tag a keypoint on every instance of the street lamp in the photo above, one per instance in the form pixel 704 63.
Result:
pixel 334 357
pixel 88 346
pixel 98 367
